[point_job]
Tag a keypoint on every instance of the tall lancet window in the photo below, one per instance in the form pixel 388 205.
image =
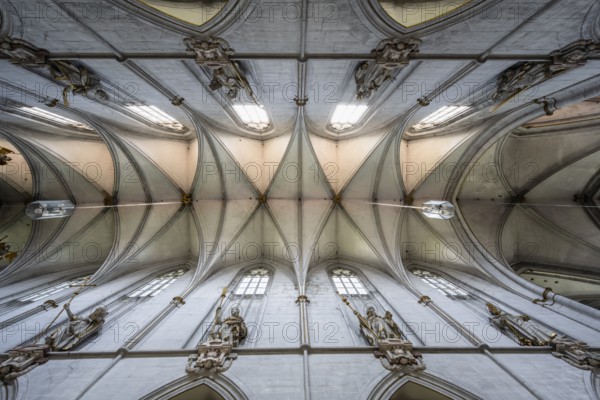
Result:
pixel 42 294
pixel 56 291
pixel 347 283
pixel 254 283
pixel 441 284
pixel 157 285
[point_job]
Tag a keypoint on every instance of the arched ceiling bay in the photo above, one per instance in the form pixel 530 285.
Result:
pixel 202 184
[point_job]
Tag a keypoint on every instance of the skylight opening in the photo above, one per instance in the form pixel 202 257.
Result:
pixel 346 116
pixel 253 116
pixel 55 118
pixel 157 116
pixel 442 115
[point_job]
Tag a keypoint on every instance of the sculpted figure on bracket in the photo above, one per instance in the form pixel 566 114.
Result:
pixel 77 329
pixel 390 56
pixel 525 75
pixel 216 354
pixel 516 327
pixel 394 350
pixel 214 55
pixel 232 329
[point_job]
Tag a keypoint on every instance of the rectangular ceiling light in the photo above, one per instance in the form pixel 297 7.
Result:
pixel 442 115
pixel 156 116
pixel 55 118
pixel 253 116
pixel 347 115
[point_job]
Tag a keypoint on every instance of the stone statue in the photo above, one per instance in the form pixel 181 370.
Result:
pixel 393 349
pixel 380 328
pixel 514 326
pixel 4 158
pixel 390 56
pixel 76 330
pixel 79 80
pixel 21 360
pixel 216 353
pixel 232 329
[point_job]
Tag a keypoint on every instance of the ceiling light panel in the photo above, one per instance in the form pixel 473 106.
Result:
pixel 442 115
pixel 54 118
pixel 156 116
pixel 346 116
pixel 253 116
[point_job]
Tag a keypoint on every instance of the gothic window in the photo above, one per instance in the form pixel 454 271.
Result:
pixel 41 294
pixel 347 283
pixel 157 285
pixel 254 283
pixel 441 284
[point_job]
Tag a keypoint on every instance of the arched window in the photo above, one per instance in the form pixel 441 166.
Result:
pixel 41 294
pixel 347 283
pixel 254 283
pixel 441 284
pixel 157 285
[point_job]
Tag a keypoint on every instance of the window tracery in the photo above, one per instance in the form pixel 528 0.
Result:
pixel 440 284
pixel 157 285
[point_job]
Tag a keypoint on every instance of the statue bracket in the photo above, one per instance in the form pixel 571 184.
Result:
pixel 397 355
pixel 212 357
pixel 21 360
pixel 576 353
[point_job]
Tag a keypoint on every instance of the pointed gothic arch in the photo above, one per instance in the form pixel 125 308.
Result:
pixel 423 386
pixel 215 388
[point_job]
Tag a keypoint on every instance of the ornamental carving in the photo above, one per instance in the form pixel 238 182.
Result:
pixel 216 354
pixel 389 56
pixel 394 351
pixel 23 53
pixel 215 55
pixel 525 75
pixel 576 353
pixel 21 360
pixel 77 78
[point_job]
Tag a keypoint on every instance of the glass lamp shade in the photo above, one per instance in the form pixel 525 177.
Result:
pixel 46 209
pixel 438 209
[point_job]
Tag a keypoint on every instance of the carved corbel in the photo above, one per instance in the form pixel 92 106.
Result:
pixel 302 299
pixel 213 52
pixel 425 300
pixel 212 357
pixel 48 304
pixel 576 353
pixel 397 355
pixel 177 100
pixel 186 198
pixel 215 55
pixel 301 102
pixel 178 301
pixel 545 297
pixel 549 104
pixel 389 56
pixel 21 360
pixel 23 53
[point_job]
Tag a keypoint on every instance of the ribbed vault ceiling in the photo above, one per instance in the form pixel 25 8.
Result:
pixel 300 193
